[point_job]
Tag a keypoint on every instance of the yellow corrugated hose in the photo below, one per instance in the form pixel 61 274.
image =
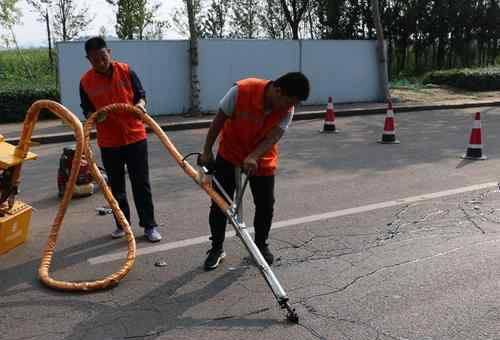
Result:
pixel 82 137
pixel 82 145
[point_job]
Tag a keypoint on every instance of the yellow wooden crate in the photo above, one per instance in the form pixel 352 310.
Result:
pixel 14 226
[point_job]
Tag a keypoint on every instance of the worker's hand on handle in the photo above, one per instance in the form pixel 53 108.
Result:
pixel 250 165
pixel 206 159
pixel 141 104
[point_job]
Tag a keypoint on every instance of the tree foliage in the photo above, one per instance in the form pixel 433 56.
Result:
pixel 421 35
pixel 137 19
pixel 70 19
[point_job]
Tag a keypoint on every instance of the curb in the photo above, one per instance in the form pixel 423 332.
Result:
pixel 205 123
pixel 382 110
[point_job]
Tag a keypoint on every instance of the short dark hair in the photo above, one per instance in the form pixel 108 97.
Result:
pixel 294 84
pixel 95 43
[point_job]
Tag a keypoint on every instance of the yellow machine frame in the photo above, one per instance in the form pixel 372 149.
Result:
pixel 14 215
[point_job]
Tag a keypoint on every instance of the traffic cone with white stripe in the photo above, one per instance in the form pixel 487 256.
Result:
pixel 389 134
pixel 475 147
pixel 329 122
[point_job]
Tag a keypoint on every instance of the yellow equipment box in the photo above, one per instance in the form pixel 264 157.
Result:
pixel 14 226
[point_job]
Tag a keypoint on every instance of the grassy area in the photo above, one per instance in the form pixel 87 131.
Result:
pixel 27 69
pixel 25 76
pixel 407 83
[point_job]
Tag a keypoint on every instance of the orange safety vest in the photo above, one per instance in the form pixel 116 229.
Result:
pixel 248 126
pixel 120 128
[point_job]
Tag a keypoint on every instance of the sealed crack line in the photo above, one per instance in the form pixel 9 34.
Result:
pixel 469 218
pixel 147 335
pixel 233 316
pixel 314 257
pixel 313 311
pixel 312 331
pixel 256 312
pixel 305 243
pixel 352 282
pixel 309 259
pixel 309 286
pixel 317 254
pixel 398 223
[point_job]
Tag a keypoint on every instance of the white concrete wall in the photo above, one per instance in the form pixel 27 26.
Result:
pixel 223 62
pixel 343 69
pixel 346 70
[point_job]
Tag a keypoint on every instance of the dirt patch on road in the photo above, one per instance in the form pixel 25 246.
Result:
pixel 441 94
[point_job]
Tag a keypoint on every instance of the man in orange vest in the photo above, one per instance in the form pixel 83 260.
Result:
pixel 252 118
pixel 121 137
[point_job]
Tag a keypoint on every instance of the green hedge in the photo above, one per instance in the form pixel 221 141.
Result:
pixel 14 103
pixel 25 77
pixel 478 79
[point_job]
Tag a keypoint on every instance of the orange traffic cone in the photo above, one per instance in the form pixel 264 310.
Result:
pixel 475 148
pixel 329 122
pixel 389 134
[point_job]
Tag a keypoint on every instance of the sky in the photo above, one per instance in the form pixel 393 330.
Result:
pixel 31 33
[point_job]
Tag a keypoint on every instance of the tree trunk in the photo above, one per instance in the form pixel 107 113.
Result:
pixel 193 51
pixel 63 21
pixel 441 52
pixel 382 57
pixel 390 66
pixel 295 31
pixel 49 38
pixel 311 25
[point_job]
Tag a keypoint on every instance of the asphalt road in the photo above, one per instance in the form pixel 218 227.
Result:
pixel 373 255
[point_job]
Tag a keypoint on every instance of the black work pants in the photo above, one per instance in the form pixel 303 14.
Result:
pixel 135 157
pixel 262 188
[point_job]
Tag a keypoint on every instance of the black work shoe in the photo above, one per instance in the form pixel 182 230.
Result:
pixel 268 256
pixel 215 255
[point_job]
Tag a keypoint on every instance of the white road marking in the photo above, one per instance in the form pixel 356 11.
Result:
pixel 297 221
